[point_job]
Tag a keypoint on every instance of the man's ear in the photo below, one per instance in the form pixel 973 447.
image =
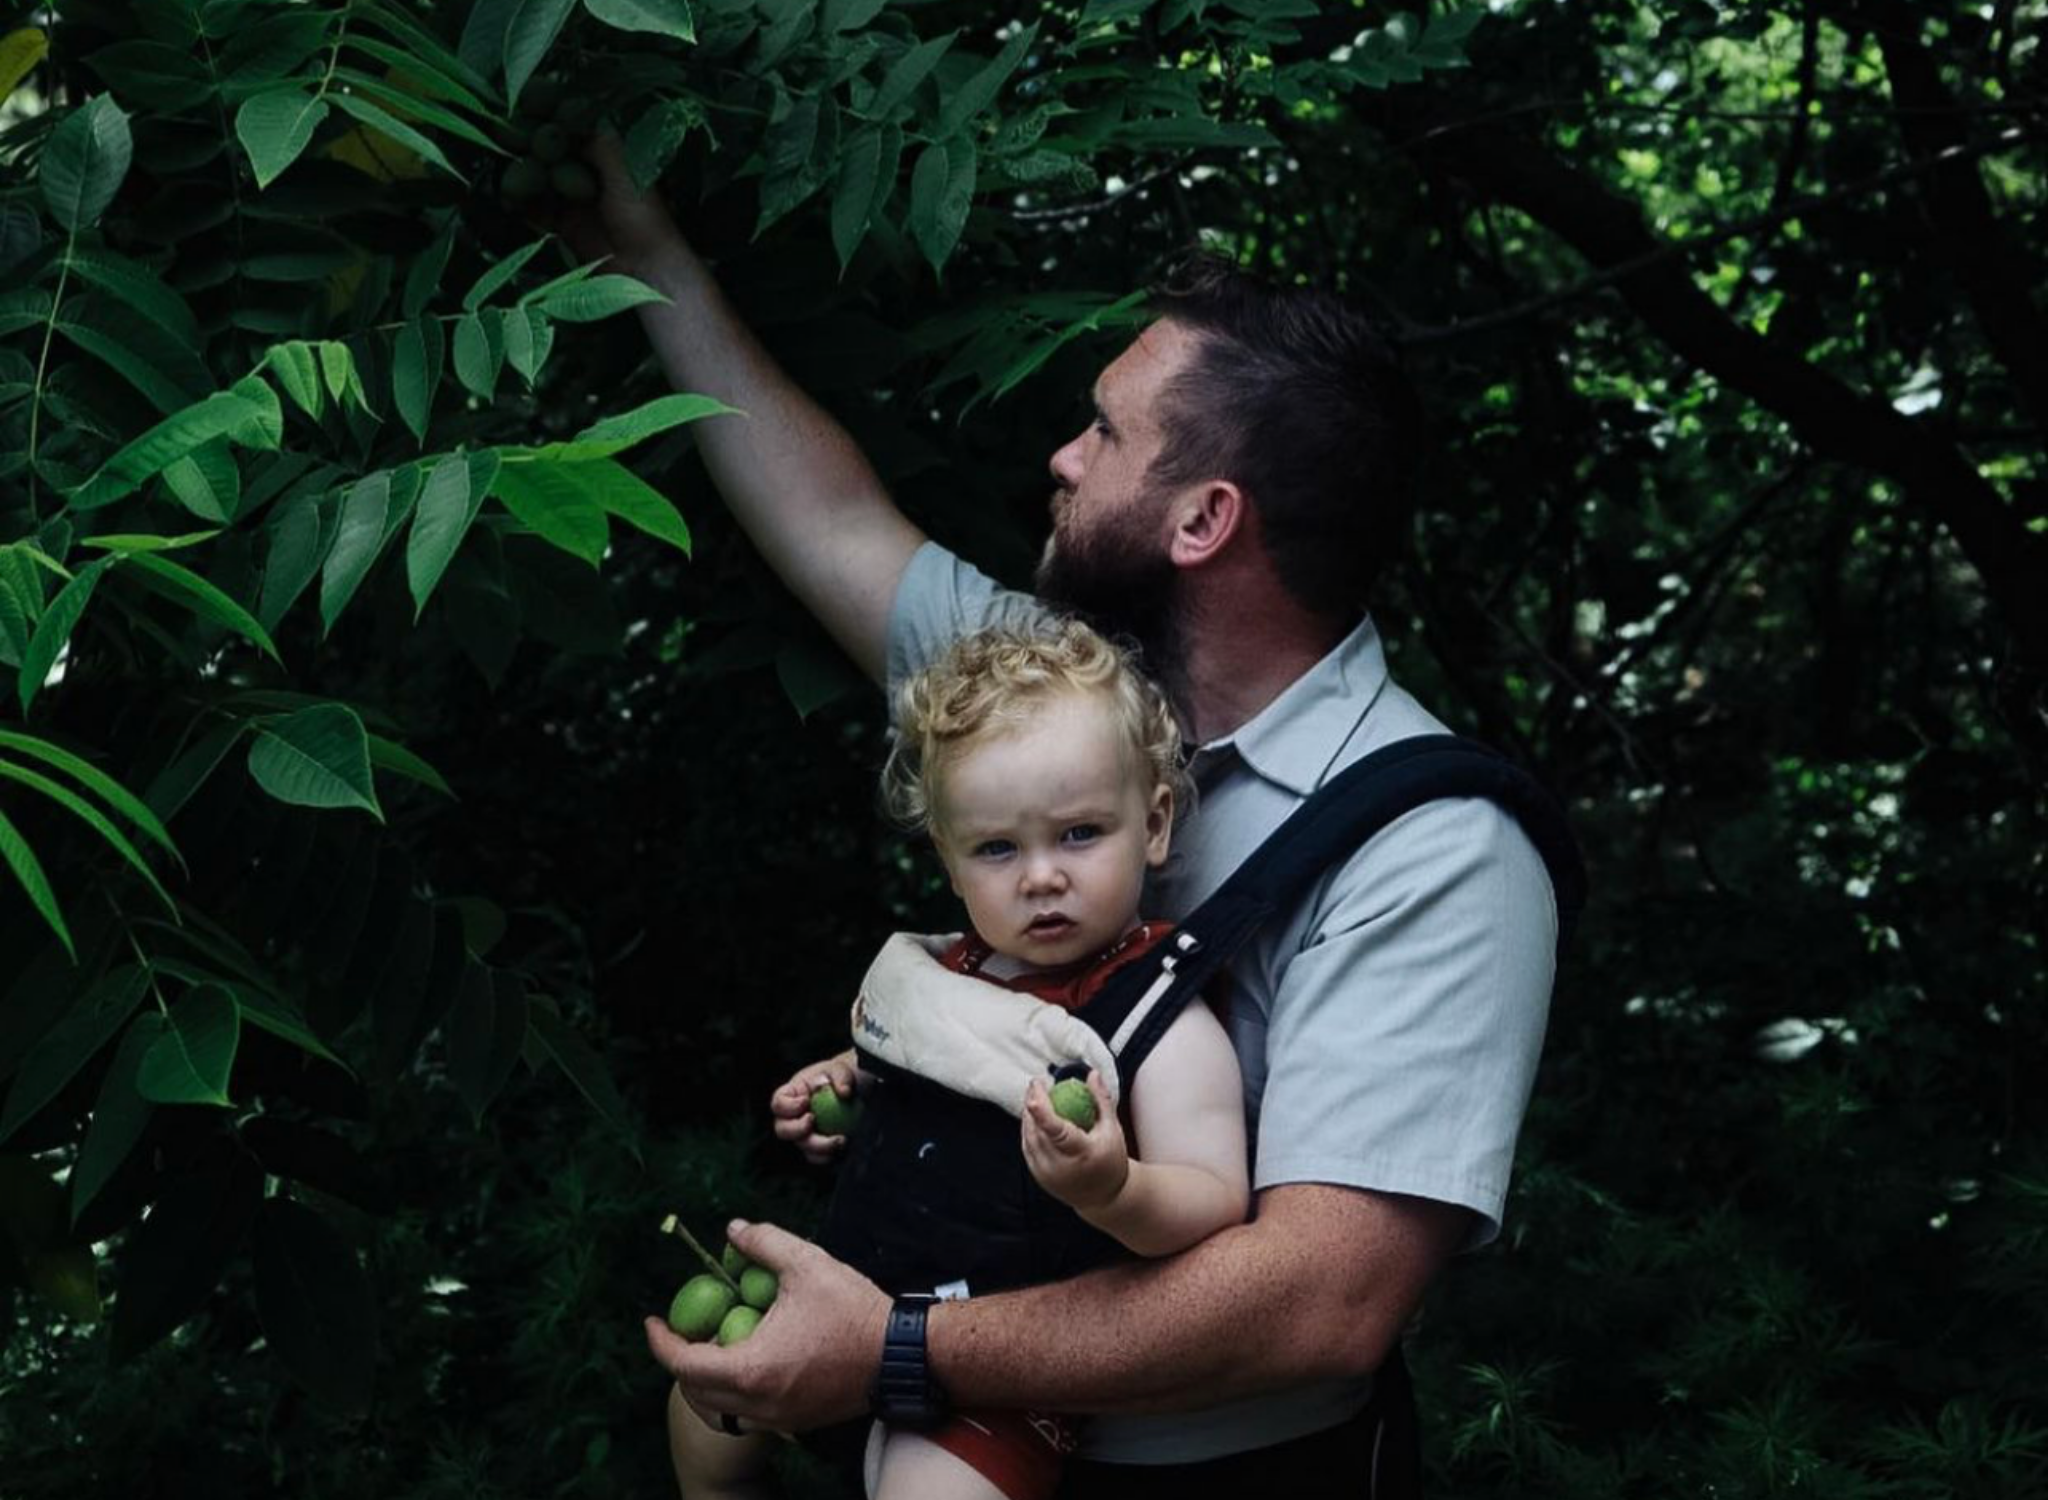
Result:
pixel 1206 521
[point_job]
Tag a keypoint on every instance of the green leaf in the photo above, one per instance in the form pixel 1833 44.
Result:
pixel 388 755
pixel 853 194
pixel 317 757
pixel 152 74
pixel 272 1013
pixel 624 494
pixel 300 533
pixel 177 782
pixel 905 74
pixel 140 287
pixel 157 365
pixel 978 92
pixel 358 538
pixel 416 357
pixel 663 17
pixel 652 142
pixel 383 121
pixel 595 298
pixel 529 33
pixel 528 338
pixel 615 434
pixel 584 1068
pixel 93 818
pixel 207 481
pixel 486 1032
pixel 813 674
pixel 423 277
pixel 941 193
pixel 54 629
pixel 439 523
pixel 175 1257
pixel 119 1115
pixel 414 70
pixel 475 364
pixel 316 1305
pixel 274 128
pixel 180 584
pixel 499 274
pixel 190 1062
pixel 550 500
pixel 225 412
pixel 72 1043
pixel 110 791
pixel 424 47
pixel 84 162
pixel 298 374
pixel 420 106
pixel 28 871
pixel 261 424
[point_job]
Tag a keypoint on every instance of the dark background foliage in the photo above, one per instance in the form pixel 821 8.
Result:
pixel 1729 321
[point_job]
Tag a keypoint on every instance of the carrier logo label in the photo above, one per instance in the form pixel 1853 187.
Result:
pixel 862 1021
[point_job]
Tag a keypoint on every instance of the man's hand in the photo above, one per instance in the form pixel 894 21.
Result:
pixel 632 226
pixel 811 1361
pixel 791 1106
pixel 1084 1169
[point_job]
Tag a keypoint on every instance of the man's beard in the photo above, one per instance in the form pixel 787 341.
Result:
pixel 1116 581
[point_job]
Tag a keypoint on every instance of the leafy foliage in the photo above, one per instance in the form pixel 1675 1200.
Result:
pixel 390 838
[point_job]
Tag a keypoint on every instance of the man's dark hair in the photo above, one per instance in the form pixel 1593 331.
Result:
pixel 1297 399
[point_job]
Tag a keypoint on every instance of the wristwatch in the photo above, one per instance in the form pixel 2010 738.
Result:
pixel 905 1394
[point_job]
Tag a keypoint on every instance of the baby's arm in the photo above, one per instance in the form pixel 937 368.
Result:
pixel 1188 1111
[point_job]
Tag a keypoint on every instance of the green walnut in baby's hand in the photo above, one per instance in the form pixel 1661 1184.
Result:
pixel 832 1115
pixel 1072 1102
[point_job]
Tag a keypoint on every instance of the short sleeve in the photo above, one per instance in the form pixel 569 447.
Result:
pixel 1404 1032
pixel 941 598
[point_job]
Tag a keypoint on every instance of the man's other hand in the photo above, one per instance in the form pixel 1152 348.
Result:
pixel 811 1361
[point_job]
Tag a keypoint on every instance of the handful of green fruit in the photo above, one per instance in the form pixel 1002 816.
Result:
pixel 725 1303
pixel 547 134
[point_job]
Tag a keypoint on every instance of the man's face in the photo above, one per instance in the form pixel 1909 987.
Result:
pixel 1107 555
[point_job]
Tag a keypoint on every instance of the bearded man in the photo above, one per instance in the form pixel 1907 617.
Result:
pixel 1241 485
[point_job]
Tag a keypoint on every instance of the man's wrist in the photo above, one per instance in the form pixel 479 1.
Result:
pixel 905 1392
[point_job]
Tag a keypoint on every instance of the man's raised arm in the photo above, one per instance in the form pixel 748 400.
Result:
pixel 793 477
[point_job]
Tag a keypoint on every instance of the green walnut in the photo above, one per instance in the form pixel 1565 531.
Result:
pixel 832 1115
pixel 738 1324
pixel 735 1264
pixel 574 181
pixel 701 1307
pixel 1072 1102
pixel 551 143
pixel 758 1286
pixel 524 178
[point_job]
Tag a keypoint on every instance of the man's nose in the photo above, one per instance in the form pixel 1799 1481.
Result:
pixel 1066 464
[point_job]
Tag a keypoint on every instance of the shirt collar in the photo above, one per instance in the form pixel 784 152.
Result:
pixel 1294 740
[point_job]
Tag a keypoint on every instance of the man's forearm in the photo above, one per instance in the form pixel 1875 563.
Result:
pixel 792 476
pixel 1318 1286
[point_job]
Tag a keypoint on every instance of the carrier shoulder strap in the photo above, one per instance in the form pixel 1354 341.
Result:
pixel 1138 1004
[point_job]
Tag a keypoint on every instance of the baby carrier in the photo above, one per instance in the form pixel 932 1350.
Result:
pixel 935 1194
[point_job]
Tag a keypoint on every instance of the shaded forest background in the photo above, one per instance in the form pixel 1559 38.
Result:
pixel 1729 320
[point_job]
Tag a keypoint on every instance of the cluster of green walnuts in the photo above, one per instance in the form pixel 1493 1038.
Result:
pixel 726 1302
pixel 548 132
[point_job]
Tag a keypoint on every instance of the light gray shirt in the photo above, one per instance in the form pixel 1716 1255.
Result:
pixel 1388 1028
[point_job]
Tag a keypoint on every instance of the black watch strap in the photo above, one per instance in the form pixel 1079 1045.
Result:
pixel 905 1395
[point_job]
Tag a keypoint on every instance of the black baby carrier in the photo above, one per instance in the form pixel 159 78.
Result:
pixel 935 1192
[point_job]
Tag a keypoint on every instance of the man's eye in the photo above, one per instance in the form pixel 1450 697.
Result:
pixel 1101 425
pixel 1083 833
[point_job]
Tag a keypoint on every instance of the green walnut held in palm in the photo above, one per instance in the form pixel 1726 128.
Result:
pixel 832 1115
pixel 734 1263
pixel 758 1286
pixel 1072 1102
pixel 738 1324
pixel 574 181
pixel 700 1307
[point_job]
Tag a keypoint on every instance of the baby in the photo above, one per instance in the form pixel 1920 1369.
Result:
pixel 1045 769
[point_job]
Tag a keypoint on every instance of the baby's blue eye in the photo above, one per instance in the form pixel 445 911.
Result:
pixel 993 849
pixel 1083 833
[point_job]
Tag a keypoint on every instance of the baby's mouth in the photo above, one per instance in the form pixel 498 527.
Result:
pixel 1051 924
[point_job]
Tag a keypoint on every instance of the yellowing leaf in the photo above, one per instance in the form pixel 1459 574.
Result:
pixel 375 153
pixel 20 51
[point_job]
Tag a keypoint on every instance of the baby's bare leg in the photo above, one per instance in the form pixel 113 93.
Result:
pixel 711 1465
pixel 904 1466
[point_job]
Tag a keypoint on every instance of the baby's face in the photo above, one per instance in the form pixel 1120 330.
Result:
pixel 1047 830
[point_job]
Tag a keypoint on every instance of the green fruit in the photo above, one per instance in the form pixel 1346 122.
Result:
pixel 524 178
pixel 738 1324
pixel 758 1286
pixel 700 1308
pixel 542 97
pixel 551 143
pixel 832 1115
pixel 1072 1102
pixel 577 114
pixel 735 1263
pixel 573 181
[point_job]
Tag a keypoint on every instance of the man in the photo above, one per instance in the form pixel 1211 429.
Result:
pixel 1237 490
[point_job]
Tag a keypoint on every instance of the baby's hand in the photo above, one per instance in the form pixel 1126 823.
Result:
pixel 1084 1169
pixel 791 1106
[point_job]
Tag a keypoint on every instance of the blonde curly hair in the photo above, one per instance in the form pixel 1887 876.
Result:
pixel 995 679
